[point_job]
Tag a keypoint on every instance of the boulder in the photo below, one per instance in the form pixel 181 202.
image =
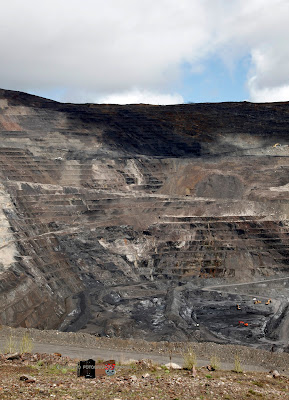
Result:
pixel 172 365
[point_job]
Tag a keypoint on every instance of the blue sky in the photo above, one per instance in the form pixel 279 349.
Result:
pixel 215 82
pixel 146 51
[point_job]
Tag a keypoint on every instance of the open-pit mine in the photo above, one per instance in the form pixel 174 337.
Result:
pixel 141 221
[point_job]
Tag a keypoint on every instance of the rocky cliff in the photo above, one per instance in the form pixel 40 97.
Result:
pixel 160 222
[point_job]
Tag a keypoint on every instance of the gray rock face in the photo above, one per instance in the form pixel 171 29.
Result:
pixel 145 221
pixel 220 187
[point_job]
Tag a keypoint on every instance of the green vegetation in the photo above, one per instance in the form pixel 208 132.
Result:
pixel 56 369
pixel 215 362
pixel 237 365
pixel 26 344
pixel 257 383
pixel 12 345
pixel 252 392
pixel 190 358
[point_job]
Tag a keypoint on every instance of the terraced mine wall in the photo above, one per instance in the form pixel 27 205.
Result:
pixel 159 222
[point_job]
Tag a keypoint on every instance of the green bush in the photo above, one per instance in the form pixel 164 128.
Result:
pixel 10 345
pixel 215 362
pixel 190 358
pixel 237 365
pixel 26 344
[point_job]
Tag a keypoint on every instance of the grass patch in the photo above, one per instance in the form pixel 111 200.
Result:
pixel 56 369
pixel 26 344
pixel 190 358
pixel 252 392
pixel 237 365
pixel 215 362
pixel 11 345
pixel 257 383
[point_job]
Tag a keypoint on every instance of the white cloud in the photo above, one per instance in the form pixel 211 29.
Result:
pixel 93 49
pixel 265 34
pixel 97 46
pixel 137 96
pixel 267 95
pixel 269 79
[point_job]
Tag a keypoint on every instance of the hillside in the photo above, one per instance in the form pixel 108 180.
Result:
pixel 144 221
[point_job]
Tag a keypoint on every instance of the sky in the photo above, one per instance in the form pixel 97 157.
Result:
pixel 146 51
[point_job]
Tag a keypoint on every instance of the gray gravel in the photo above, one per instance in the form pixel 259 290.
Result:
pixel 83 346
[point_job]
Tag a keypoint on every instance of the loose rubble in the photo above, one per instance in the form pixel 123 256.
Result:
pixel 42 376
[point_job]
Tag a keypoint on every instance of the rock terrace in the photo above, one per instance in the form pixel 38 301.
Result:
pixel 153 222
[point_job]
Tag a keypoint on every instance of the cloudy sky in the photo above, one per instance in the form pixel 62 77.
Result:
pixel 146 51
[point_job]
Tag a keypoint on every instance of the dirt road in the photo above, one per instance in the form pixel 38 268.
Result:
pixel 84 346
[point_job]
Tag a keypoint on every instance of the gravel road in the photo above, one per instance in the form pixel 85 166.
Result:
pixel 84 346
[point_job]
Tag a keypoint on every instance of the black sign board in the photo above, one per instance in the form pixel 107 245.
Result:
pixel 86 368
pixel 90 370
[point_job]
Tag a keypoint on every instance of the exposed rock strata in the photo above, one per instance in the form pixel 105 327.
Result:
pixel 117 220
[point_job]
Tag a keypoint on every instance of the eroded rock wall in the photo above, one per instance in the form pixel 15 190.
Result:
pixel 125 220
